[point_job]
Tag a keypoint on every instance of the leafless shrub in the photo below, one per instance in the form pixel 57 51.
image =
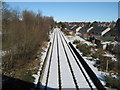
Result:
pixel 22 34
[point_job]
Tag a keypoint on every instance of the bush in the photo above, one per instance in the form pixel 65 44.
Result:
pixel 111 64
pixel 94 55
pixel 76 41
pixel 27 76
pixel 113 82
pixel 84 48
pixel 22 38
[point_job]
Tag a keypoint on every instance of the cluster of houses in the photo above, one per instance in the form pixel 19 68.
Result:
pixel 95 29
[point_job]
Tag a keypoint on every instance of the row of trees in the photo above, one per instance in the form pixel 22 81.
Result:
pixel 23 32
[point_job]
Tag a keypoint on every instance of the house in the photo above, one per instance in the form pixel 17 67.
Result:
pixel 84 29
pixel 110 33
pixel 74 27
pixel 96 30
pixel 105 31
pixel 78 29
pixel 89 29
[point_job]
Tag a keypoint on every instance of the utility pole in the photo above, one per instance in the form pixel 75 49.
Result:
pixel 107 66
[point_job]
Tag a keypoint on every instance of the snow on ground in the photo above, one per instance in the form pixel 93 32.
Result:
pixel 53 76
pixel 79 80
pixel 2 53
pixel 99 74
pixel 52 80
pixel 106 42
pixel 110 55
pixel 66 77
pixel 78 74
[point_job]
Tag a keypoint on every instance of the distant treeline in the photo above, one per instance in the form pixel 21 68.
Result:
pixel 22 33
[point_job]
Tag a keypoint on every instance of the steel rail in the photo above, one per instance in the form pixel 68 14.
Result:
pixel 78 63
pixel 74 79
pixel 49 63
pixel 59 72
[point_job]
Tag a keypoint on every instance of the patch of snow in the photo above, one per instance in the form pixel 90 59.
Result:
pixel 2 53
pixel 110 55
pixel 36 76
pixel 114 59
pixel 106 42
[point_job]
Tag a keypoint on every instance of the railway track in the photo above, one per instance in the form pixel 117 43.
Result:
pixel 63 68
pixel 48 73
pixel 78 63
pixel 72 72
pixel 59 72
